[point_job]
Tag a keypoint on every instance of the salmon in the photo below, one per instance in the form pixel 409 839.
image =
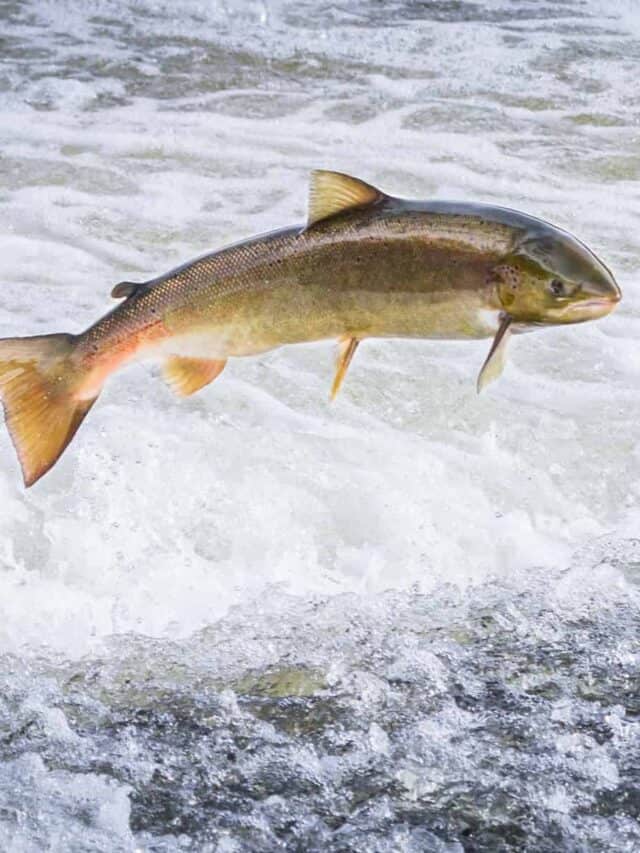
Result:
pixel 364 265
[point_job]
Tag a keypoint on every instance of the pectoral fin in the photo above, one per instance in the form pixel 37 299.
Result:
pixel 348 346
pixel 188 375
pixel 494 365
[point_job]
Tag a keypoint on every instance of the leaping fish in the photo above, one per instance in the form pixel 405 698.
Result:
pixel 365 265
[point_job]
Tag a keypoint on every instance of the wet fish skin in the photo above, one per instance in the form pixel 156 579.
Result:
pixel 366 265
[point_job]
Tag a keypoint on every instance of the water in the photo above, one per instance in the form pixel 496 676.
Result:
pixel 251 621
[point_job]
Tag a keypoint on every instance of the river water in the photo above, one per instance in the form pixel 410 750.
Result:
pixel 251 621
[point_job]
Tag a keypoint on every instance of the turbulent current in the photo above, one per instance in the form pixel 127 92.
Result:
pixel 251 621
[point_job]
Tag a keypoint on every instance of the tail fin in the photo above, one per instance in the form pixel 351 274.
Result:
pixel 38 387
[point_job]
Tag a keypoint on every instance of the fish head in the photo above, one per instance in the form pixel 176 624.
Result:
pixel 552 278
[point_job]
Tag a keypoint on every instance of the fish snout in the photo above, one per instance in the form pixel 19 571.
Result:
pixel 599 297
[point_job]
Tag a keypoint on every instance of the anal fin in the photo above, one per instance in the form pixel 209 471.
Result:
pixel 495 361
pixel 188 375
pixel 348 347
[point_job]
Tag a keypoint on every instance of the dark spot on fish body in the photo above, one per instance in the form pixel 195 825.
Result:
pixel 508 274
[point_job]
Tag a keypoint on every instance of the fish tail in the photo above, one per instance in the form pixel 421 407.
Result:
pixel 41 392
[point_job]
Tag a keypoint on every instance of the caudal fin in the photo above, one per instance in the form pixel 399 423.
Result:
pixel 39 384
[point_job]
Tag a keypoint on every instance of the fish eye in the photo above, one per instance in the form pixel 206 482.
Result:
pixel 556 287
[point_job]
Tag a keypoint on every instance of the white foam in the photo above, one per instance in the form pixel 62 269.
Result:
pixel 409 478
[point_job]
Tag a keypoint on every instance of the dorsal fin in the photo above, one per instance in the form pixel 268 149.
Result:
pixel 331 193
pixel 126 289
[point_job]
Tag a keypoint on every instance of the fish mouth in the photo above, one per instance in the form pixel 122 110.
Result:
pixel 594 307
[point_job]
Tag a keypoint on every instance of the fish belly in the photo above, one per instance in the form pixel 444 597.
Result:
pixel 288 318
